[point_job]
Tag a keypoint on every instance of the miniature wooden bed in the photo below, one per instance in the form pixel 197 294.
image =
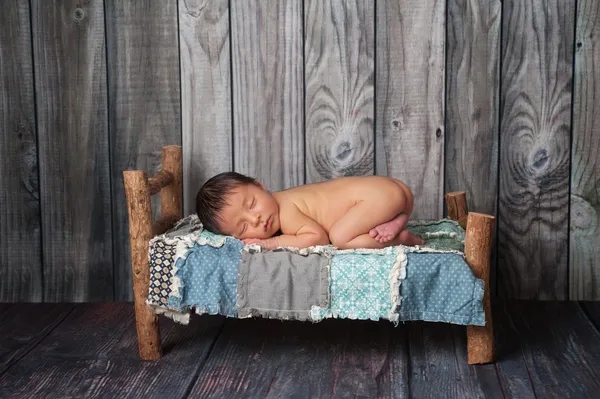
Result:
pixel 143 227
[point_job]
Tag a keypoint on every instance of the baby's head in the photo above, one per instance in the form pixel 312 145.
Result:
pixel 237 205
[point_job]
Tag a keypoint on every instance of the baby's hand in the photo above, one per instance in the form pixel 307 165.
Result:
pixel 256 241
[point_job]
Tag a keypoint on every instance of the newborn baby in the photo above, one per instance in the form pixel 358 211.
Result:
pixel 347 212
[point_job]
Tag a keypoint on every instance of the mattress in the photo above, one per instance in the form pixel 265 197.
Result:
pixel 193 271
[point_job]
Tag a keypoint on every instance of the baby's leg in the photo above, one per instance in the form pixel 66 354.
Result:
pixel 390 229
pixel 352 230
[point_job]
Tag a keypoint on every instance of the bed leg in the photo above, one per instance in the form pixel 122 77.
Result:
pixel 478 248
pixel 456 204
pixel 140 233
pixel 170 195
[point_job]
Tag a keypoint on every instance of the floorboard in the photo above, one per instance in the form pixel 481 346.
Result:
pixel 547 350
pixel 93 353
pixel 592 311
pixel 333 358
pixel 23 326
pixel 438 358
pixel 543 349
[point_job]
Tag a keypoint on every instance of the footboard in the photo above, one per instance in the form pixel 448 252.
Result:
pixel 478 248
pixel 142 227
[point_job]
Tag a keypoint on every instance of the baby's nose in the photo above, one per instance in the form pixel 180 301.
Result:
pixel 256 220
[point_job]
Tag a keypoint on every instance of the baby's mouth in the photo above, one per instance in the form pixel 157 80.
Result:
pixel 268 223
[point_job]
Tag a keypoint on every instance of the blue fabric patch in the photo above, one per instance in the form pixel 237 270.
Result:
pixel 360 286
pixel 209 278
pixel 441 287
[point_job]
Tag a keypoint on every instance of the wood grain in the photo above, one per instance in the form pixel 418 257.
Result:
pixel 549 350
pixel 93 353
pixel 24 326
pixel 410 99
pixel 70 73
pixel 339 75
pixel 139 214
pixel 144 106
pixel 333 359
pixel 535 149
pixel 268 107
pixel 584 244
pixel 438 360
pixel 472 84
pixel 20 241
pixel 205 93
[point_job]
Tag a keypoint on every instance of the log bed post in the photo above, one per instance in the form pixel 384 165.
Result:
pixel 139 190
pixel 478 250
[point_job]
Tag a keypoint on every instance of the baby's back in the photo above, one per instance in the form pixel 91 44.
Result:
pixel 328 201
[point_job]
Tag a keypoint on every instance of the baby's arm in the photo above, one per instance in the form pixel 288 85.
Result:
pixel 298 230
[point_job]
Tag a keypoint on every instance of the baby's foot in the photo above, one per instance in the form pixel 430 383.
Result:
pixel 407 238
pixel 389 230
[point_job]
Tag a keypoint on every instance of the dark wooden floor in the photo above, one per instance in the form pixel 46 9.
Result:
pixel 87 351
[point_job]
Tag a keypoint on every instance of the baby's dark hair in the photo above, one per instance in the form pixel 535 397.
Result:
pixel 211 197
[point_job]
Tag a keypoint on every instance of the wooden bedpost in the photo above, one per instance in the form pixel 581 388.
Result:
pixel 478 252
pixel 139 190
pixel 140 233
pixel 170 195
pixel 456 204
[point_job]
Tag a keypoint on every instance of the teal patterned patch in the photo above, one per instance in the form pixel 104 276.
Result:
pixel 361 285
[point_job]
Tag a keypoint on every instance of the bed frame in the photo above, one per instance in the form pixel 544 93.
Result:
pixel 139 190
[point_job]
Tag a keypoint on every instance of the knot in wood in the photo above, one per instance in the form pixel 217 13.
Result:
pixel 78 14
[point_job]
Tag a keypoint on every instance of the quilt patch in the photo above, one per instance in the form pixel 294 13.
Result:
pixel 364 284
pixel 282 284
pixel 162 259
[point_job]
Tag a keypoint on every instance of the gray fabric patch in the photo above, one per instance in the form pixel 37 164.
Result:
pixel 280 284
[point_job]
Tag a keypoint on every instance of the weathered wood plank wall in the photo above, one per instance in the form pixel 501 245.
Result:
pixel 71 101
pixel 339 49
pixel 20 231
pixel 144 105
pixel 584 260
pixel 482 96
pixel 410 98
pixel 535 104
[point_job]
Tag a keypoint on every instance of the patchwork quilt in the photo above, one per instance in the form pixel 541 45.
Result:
pixel 196 271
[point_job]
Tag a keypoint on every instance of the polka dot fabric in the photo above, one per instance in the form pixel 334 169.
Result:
pixel 209 278
pixel 441 287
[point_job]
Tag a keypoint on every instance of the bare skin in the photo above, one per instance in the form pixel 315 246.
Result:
pixel 348 212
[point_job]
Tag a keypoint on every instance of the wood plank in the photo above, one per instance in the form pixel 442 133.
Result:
pixel 23 326
pixel 472 77
pixel 144 105
pixel 333 358
pixel 472 120
pixel 535 149
pixel 438 360
pixel 558 345
pixel 205 94
pixel 410 99
pixel 20 241
pixel 592 311
pixel 584 244
pixel 339 72
pixel 511 367
pixel 94 353
pixel 70 73
pixel 268 111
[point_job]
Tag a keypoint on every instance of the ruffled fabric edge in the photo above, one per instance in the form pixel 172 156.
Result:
pixel 398 274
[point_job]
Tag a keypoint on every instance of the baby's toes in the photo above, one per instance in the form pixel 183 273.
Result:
pixel 373 233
